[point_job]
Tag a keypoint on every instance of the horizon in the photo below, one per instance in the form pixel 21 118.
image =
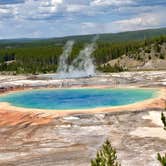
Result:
pixel 82 35
pixel 63 18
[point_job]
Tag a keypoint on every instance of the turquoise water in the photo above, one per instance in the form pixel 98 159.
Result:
pixel 63 99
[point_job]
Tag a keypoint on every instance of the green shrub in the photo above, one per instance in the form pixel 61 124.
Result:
pixel 162 159
pixel 147 50
pixel 106 156
pixel 162 56
pixel 112 69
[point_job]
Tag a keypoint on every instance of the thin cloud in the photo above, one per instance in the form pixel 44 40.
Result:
pixel 111 2
pixel 142 21
pixel 75 7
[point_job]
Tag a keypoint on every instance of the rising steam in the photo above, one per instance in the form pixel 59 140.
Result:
pixel 82 65
pixel 63 60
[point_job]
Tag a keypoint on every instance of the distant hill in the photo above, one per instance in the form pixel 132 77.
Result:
pixel 120 37
pixel 135 50
pixel 108 37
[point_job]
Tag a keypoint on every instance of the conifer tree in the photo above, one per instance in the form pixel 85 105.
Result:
pixel 106 156
pixel 162 159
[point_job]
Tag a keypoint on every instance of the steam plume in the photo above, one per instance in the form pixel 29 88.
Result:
pixel 63 60
pixel 82 65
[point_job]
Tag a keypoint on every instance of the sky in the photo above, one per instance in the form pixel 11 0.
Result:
pixel 57 18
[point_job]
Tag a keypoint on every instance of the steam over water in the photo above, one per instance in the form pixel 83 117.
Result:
pixel 81 66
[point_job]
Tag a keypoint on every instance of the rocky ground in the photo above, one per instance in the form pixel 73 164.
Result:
pixel 141 79
pixel 36 139
pixel 74 140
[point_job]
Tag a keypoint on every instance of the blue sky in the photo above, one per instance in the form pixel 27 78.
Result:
pixel 55 18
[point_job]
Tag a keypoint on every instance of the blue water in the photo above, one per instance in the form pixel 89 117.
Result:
pixel 63 99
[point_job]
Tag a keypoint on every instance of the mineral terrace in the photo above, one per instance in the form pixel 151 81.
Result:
pixel 40 139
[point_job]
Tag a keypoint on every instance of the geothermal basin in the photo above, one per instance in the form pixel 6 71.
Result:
pixel 72 135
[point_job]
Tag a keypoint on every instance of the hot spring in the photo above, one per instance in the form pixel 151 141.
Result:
pixel 70 99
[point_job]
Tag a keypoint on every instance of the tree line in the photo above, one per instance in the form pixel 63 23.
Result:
pixel 44 58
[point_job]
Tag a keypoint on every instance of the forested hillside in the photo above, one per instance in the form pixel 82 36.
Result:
pixel 41 56
pixel 142 55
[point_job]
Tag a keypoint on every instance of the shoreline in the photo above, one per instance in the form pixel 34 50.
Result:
pixel 157 101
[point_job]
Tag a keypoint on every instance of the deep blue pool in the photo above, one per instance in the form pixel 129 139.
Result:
pixel 63 99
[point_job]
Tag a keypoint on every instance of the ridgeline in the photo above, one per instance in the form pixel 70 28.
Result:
pixel 135 50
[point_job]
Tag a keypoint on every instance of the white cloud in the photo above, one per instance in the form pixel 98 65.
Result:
pixel 88 25
pixel 31 9
pixel 4 11
pixel 54 5
pixel 143 21
pixel 111 2
pixel 55 2
pixel 75 7
pixel 92 27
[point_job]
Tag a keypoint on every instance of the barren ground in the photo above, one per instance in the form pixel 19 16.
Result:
pixel 43 140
